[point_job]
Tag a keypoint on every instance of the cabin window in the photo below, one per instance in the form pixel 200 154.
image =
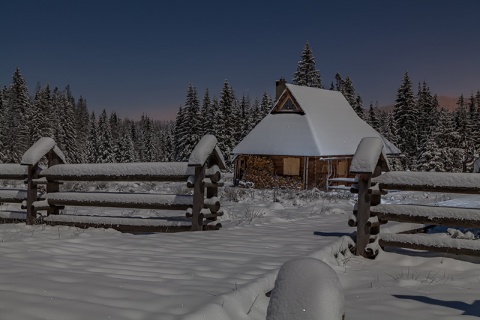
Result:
pixel 342 168
pixel 291 166
pixel 289 105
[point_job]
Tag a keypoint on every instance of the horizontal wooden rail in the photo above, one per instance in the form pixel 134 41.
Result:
pixel 447 182
pixel 13 171
pixel 447 216
pixel 121 200
pixel 12 195
pixel 430 243
pixel 147 171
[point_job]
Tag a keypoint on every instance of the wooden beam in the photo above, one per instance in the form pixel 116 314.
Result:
pixel 425 242
pixel 446 216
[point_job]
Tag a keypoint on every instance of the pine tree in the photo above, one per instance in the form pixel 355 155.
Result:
pixel 16 121
pixel 105 140
pixel 207 119
pixel 266 105
pixel 82 127
pixel 359 107
pixel 306 74
pixel 180 135
pixel 372 119
pixel 92 142
pixel 226 137
pixel 150 151
pixel 405 115
pixel 67 129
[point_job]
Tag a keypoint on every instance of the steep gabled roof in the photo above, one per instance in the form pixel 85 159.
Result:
pixel 328 127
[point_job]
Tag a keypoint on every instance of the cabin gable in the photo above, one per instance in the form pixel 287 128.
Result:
pixel 287 104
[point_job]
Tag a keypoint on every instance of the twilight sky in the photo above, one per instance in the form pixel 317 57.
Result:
pixel 138 57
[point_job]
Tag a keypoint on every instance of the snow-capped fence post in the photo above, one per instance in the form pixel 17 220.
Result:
pixel 205 155
pixel 368 162
pixel 306 288
pixel 44 147
pixel 369 213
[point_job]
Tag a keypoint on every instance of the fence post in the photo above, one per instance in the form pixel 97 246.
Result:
pixel 363 213
pixel 53 186
pixel 31 193
pixel 198 198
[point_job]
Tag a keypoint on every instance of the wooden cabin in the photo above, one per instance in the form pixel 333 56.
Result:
pixel 311 134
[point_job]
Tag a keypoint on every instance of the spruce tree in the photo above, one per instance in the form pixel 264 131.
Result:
pixel 306 74
pixel 405 115
pixel 105 140
pixel 92 153
pixel 372 118
pixel 207 119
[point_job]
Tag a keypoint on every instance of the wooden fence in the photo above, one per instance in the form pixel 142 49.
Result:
pixel 374 180
pixel 201 173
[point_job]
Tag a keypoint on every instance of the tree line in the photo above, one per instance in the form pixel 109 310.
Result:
pixel 85 137
pixel 432 138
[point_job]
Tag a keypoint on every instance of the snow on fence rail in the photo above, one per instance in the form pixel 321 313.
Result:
pixel 203 171
pixel 368 214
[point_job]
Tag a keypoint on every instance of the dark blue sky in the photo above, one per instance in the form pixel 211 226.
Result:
pixel 138 57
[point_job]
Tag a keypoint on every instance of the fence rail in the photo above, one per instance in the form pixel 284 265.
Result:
pixel 369 214
pixel 202 172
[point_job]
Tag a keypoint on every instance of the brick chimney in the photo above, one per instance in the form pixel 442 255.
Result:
pixel 280 86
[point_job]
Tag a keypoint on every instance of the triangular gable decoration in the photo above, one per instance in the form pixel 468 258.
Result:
pixel 287 103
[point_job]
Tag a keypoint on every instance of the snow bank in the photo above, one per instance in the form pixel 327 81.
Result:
pixel 306 288
pixel 239 303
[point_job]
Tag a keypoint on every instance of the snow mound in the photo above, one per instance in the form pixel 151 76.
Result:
pixel 276 206
pixel 306 288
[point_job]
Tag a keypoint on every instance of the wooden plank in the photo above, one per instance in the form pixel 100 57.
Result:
pixel 126 227
pixel 447 182
pixel 291 166
pixel 13 171
pixel 13 195
pixel 430 243
pixel 446 216
pixel 121 200
pixel 32 194
pixel 158 171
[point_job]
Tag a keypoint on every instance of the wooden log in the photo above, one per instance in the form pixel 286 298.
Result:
pixel 447 216
pixel 32 192
pixel 198 198
pixel 207 214
pixel 363 234
pixel 372 222
pixel 13 195
pixel 151 171
pixel 207 182
pixel 352 221
pixel 375 190
pixel 13 171
pixel 447 182
pixel 212 203
pixel 121 200
pixel 126 227
pixel 430 243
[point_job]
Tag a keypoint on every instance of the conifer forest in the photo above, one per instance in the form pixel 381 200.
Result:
pixel 431 137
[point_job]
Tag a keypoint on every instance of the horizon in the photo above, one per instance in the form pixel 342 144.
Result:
pixel 139 59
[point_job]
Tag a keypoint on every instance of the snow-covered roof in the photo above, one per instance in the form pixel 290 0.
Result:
pixel 329 127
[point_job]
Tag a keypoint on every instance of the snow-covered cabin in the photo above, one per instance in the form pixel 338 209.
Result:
pixel 310 133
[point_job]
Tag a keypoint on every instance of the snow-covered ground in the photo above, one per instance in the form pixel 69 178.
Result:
pixel 70 273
